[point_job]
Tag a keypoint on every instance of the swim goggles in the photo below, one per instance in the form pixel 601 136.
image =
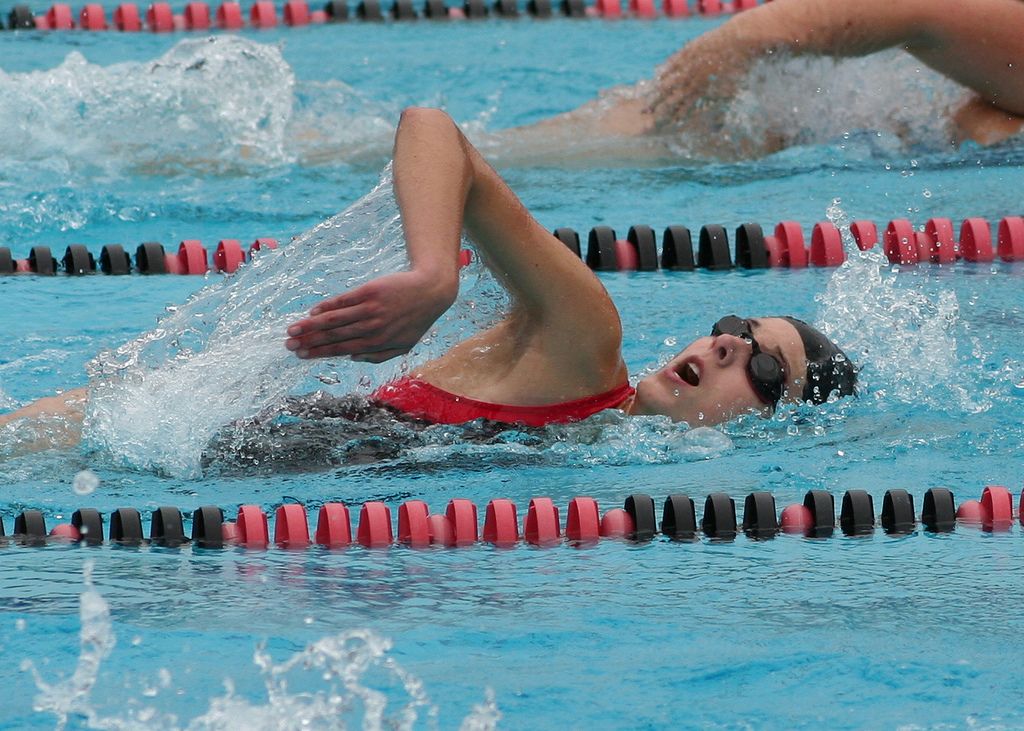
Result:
pixel 766 373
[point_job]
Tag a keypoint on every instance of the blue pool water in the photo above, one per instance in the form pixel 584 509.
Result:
pixel 129 138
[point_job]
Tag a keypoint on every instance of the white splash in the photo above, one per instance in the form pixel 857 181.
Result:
pixel 96 640
pixel 899 326
pixel 209 102
pixel 339 676
pixel 156 401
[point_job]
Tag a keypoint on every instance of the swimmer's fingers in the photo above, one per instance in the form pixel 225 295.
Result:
pixel 330 320
pixel 356 337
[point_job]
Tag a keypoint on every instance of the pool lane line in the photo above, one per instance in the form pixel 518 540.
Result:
pixel 459 525
pixel 263 14
pixel 786 247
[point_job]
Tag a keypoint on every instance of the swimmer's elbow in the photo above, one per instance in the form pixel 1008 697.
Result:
pixel 418 116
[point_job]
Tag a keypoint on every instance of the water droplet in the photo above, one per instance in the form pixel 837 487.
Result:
pixel 926 193
pixel 85 482
pixel 671 342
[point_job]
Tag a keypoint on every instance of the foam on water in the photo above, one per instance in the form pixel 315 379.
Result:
pixel 229 104
pixel 333 683
pixel 156 401
pixel 900 326
pixel 810 101
pixel 209 102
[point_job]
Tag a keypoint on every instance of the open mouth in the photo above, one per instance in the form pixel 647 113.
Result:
pixel 690 373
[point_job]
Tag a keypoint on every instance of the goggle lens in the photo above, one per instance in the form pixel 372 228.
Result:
pixel 766 373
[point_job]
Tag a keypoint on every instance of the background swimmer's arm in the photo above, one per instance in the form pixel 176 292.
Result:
pixel 49 423
pixel 978 44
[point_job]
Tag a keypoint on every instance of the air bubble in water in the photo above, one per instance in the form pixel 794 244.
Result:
pixel 671 342
pixel 85 482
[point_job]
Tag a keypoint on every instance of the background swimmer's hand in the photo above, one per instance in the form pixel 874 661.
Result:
pixel 375 322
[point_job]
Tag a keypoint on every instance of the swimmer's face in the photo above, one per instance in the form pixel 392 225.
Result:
pixel 709 382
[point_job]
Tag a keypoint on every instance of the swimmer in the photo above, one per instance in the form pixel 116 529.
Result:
pixel 556 356
pixel 978 44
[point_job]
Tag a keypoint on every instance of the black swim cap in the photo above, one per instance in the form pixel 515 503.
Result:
pixel 828 368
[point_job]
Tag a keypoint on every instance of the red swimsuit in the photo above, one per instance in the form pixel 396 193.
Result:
pixel 420 400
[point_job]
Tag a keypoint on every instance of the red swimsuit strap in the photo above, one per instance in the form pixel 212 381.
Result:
pixel 421 400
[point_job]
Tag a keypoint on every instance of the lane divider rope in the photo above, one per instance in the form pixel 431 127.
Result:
pixel 785 247
pixel 459 525
pixel 197 16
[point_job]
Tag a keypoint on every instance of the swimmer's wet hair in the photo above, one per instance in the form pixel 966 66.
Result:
pixel 829 369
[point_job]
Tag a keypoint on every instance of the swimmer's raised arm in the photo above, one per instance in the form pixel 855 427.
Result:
pixel 443 184
pixel 979 44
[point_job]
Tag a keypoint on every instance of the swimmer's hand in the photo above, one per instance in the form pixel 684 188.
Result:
pixel 377 321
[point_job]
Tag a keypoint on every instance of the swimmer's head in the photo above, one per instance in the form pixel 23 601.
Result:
pixel 746 365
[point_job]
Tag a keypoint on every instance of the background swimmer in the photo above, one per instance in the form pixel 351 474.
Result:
pixel 556 356
pixel 977 44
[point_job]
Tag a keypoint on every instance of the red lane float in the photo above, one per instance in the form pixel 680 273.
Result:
pixel 942 249
pixel 375 525
pixel 675 8
pixel 865 234
pixel 626 256
pixel 192 257
pixel 969 512
pixel 461 514
pixel 334 526
pixel 252 527
pixel 541 526
pixel 92 17
pixel 260 244
pixel 773 247
pixel 441 532
pixel 126 18
pixel 791 237
pixel 66 531
pixel 976 240
pixel 826 245
pixel 900 242
pixel 617 523
pixel 1011 238
pixel 413 523
pixel 643 9
pixel 228 256
pixel 296 12
pixel 501 524
pixel 996 508
pixel 291 527
pixel 263 14
pixel 229 532
pixel 197 16
pixel 229 16
pixel 59 17
pixel 583 521
pixel 796 518
pixel 159 18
